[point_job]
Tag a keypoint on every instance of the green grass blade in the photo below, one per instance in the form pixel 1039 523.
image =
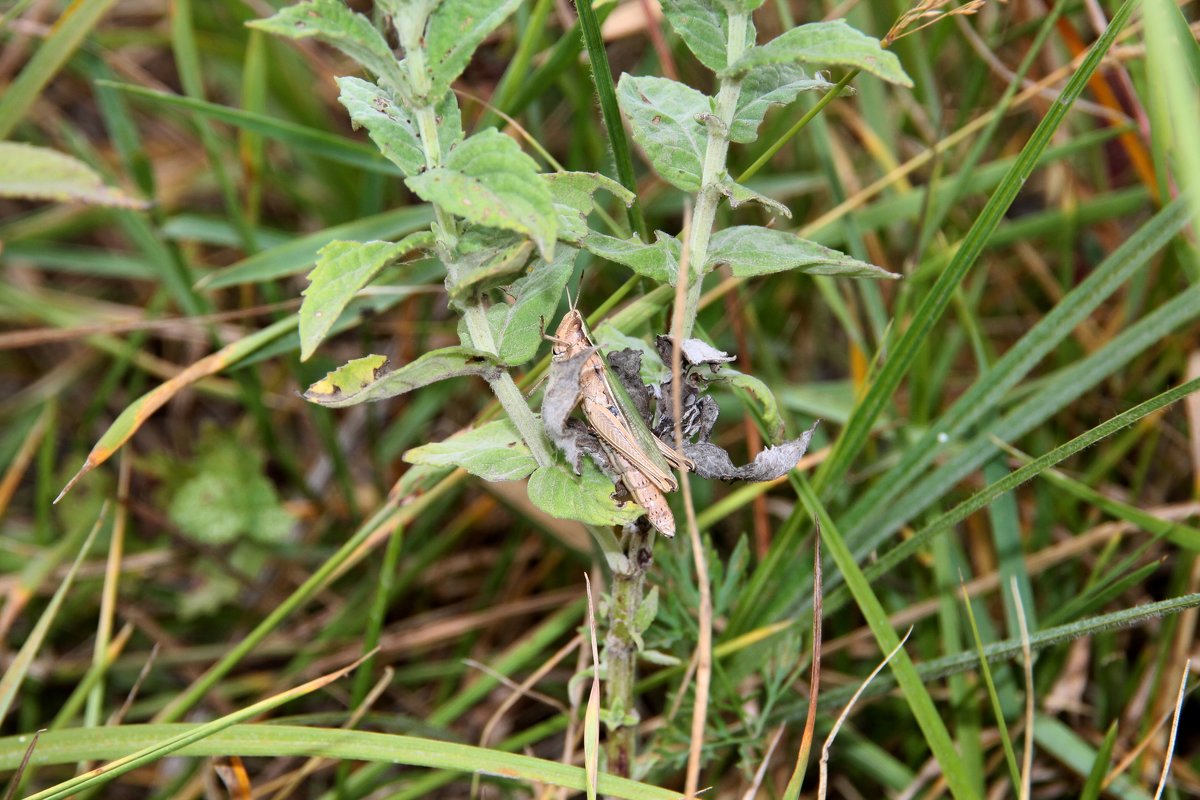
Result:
pixel 1095 778
pixel 915 693
pixel 1179 533
pixel 14 676
pixel 1012 649
pixel 1066 746
pixel 1014 479
pixel 286 741
pixel 69 32
pixel 606 92
pixel 1169 43
pixel 903 353
pixel 1010 755
pixel 1059 390
pixel 1006 538
pixel 153 752
pixel 301 253
pixel 319 143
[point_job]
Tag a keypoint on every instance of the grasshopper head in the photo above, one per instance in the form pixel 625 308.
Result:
pixel 570 336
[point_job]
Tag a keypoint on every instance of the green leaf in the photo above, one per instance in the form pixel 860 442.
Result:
pixel 71 27
pixel 769 407
pixel 489 181
pixel 295 256
pixel 663 115
pixel 738 194
pixel 342 269
pixel 518 326
pixel 831 44
pixel 1100 766
pixel 366 379
pixel 227 496
pixel 647 610
pixel 769 85
pixel 391 127
pixel 38 173
pixel 330 21
pixel 587 497
pixel 704 27
pixel 658 261
pixel 279 741
pixel 487 257
pixel 920 703
pixel 751 250
pixel 573 194
pixel 494 452
pixel 455 29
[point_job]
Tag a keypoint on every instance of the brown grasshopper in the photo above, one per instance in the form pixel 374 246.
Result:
pixel 638 457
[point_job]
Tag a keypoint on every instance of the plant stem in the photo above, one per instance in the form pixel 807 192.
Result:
pixel 713 171
pixel 629 585
pixel 475 315
pixel 621 649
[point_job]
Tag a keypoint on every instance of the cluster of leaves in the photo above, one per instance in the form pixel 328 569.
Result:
pixel 504 226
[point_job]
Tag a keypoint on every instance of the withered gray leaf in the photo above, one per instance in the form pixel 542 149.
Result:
pixel 578 441
pixel 773 462
pixel 571 436
pixel 698 411
pixel 562 393
pixel 693 351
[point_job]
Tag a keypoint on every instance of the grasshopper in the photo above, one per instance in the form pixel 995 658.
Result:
pixel 638 457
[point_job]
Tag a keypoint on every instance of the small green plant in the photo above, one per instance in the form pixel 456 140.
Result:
pixel 508 236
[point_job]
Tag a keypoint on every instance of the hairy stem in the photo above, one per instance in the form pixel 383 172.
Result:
pixel 505 389
pixel 621 648
pixel 629 585
pixel 475 315
pixel 713 171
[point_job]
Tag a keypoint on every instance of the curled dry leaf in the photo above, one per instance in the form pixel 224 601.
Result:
pixel 695 352
pixel 773 462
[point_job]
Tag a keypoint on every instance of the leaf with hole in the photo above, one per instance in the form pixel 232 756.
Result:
pixel 390 125
pixel 663 115
pixel 367 379
pixel 488 180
